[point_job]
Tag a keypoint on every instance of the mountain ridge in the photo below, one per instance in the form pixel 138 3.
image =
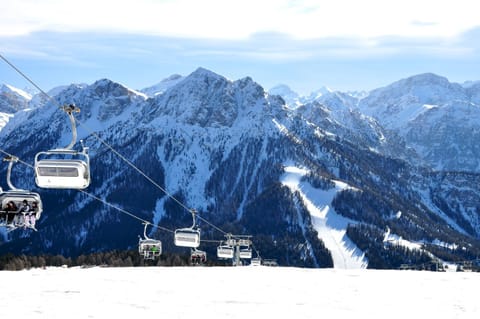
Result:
pixel 221 147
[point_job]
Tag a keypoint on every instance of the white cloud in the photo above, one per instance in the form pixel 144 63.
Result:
pixel 303 19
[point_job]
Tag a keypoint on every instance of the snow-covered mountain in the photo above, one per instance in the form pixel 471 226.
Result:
pixel 162 86
pixel 12 100
pixel 402 101
pixel 321 92
pixel 292 98
pixel 440 120
pixel 435 122
pixel 233 152
pixel 468 84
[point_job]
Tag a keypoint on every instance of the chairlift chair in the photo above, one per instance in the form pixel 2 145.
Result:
pixel 149 248
pixel 62 173
pixel 188 237
pixel 18 218
pixel 256 261
pixel 225 252
pixel 198 257
pixel 64 168
pixel 246 253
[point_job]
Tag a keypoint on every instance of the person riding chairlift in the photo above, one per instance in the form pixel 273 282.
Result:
pixel 11 210
pixel 31 218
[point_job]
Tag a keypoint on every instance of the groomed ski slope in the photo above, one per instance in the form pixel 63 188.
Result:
pixel 236 292
pixel 331 227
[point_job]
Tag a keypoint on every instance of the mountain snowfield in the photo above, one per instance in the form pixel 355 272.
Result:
pixel 4 118
pixel 330 226
pixel 237 292
pixel 300 178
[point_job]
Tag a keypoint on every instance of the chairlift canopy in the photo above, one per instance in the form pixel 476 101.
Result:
pixel 187 237
pixel 246 253
pixel 63 173
pixel 225 252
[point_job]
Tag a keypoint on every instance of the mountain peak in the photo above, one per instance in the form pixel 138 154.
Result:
pixel 320 92
pixel 13 99
pixel 162 86
pixel 291 97
pixel 283 90
pixel 104 83
pixel 108 87
pixel 205 98
pixel 409 95
pixel 11 89
pixel 202 73
pixel 426 79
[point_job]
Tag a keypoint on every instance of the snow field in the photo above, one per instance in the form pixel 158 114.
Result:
pixel 236 292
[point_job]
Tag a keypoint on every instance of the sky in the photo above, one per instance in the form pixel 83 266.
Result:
pixel 237 292
pixel 305 44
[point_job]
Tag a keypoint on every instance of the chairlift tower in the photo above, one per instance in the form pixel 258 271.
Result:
pixel 243 249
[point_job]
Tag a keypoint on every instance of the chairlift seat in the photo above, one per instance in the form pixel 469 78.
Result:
pixel 62 173
pixel 18 196
pixel 150 248
pixel 64 167
pixel 187 237
pixel 198 256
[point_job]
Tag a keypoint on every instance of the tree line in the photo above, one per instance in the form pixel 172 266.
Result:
pixel 116 258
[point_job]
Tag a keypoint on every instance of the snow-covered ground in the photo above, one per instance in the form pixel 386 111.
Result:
pixel 236 292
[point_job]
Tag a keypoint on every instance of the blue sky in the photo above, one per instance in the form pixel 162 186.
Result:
pixel 306 44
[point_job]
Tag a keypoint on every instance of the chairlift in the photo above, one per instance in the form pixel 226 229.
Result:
pixel 225 252
pixel 188 237
pixel 64 168
pixel 246 252
pixel 149 248
pixel 256 261
pixel 198 257
pixel 18 207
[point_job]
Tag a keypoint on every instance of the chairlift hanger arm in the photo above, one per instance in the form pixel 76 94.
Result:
pixel 145 231
pixel 193 212
pixel 10 160
pixel 69 109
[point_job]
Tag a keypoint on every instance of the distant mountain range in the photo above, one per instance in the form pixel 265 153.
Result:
pixel 349 180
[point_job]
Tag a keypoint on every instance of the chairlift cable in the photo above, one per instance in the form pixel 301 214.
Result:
pixel 126 212
pixel 147 177
pixel 211 241
pixel 90 131
pixel 101 200
pixel 132 165
pixel 29 80
pixel 18 159
pixel 111 148
pixel 97 136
